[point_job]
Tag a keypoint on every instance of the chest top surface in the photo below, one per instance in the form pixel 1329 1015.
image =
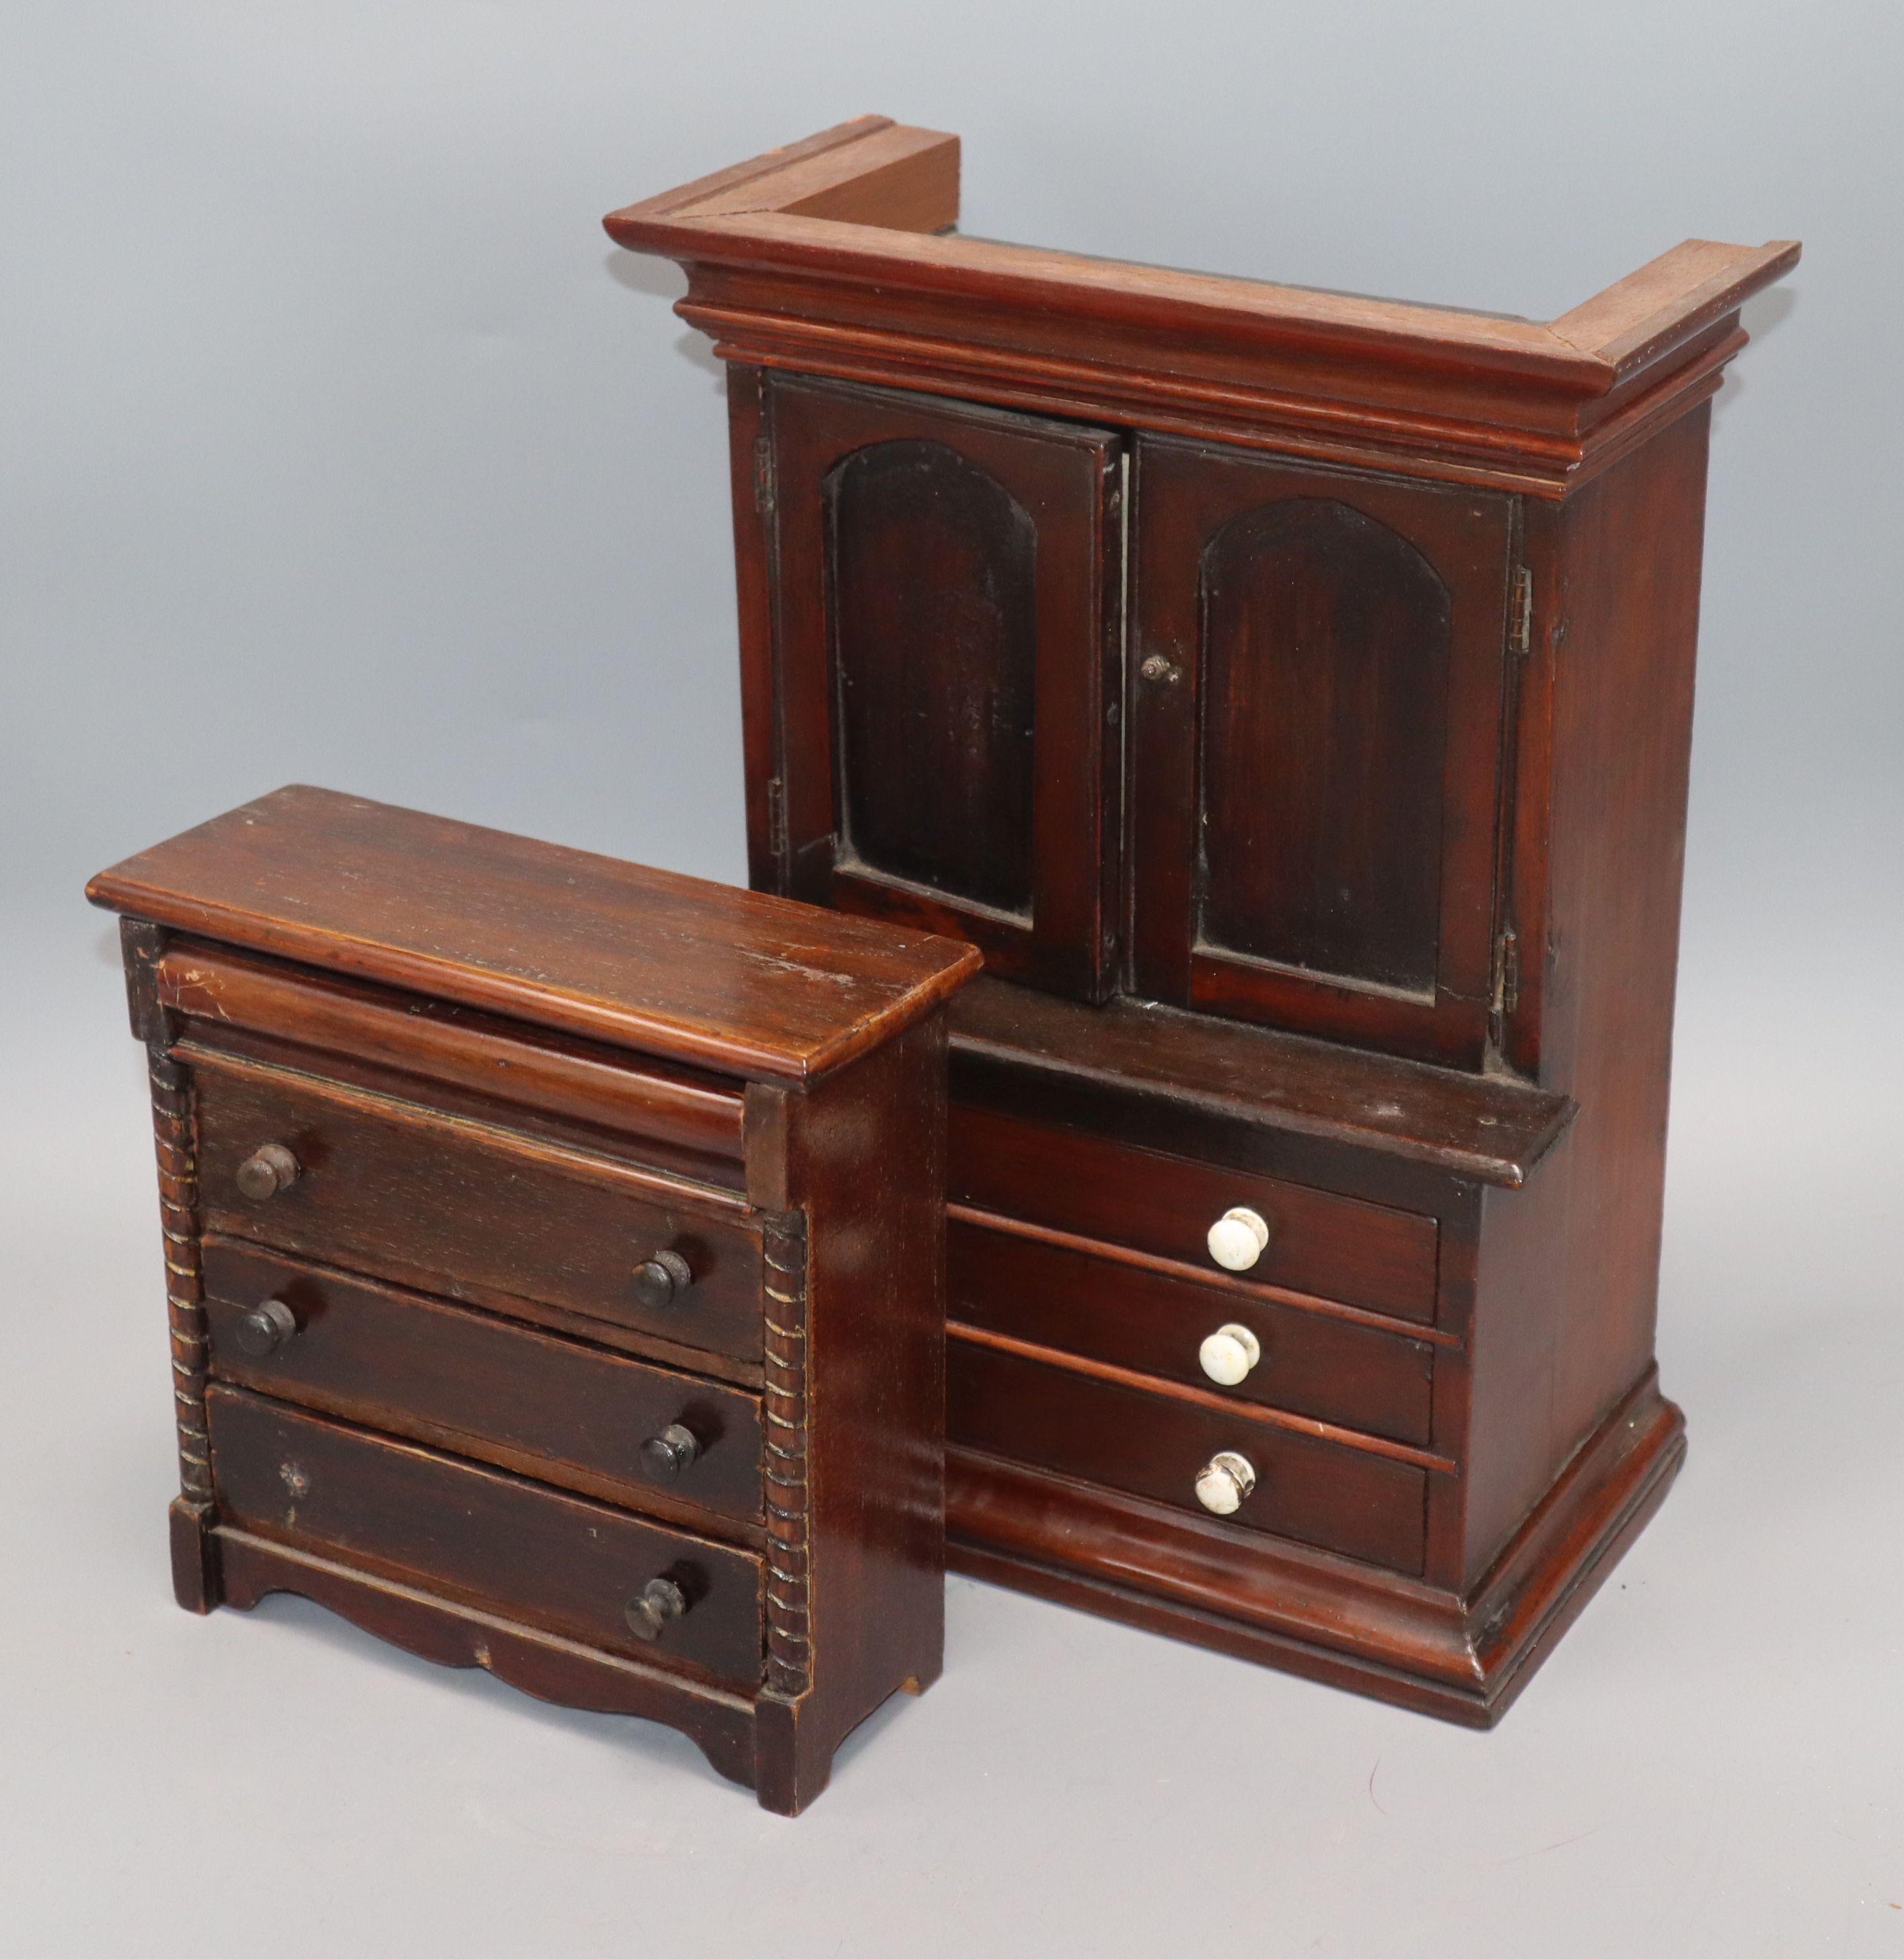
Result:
pixel 676 966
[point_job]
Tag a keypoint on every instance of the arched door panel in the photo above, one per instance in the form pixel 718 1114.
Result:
pixel 948 651
pixel 932 568
pixel 1317 710
pixel 1325 649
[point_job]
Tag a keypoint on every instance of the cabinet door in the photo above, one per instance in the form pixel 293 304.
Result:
pixel 1317 711
pixel 947 633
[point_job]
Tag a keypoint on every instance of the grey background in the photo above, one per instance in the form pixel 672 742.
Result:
pixel 339 446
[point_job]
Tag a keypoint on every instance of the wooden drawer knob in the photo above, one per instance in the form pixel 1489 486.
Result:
pixel 1224 1481
pixel 662 1281
pixel 1227 1355
pixel 267 1171
pixel 1238 1238
pixel 665 1455
pixel 266 1327
pixel 660 1599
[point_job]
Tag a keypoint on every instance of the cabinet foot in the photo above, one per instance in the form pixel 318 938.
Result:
pixel 197 1582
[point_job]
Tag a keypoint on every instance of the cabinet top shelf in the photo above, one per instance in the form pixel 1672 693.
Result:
pixel 1492 1128
pixel 834 256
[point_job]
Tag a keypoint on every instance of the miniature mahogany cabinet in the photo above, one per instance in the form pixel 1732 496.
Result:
pixel 1291 694
pixel 555 1254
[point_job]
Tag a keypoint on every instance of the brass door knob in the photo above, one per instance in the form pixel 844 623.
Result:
pixel 660 1600
pixel 665 1455
pixel 1228 1354
pixel 1224 1481
pixel 267 1171
pixel 661 1281
pixel 266 1327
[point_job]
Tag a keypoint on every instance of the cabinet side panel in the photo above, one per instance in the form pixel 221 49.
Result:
pixel 1622 740
pixel 867 1164
pixel 1515 1448
pixel 1570 1266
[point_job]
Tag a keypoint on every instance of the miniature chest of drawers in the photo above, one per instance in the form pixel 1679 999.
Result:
pixel 555 1257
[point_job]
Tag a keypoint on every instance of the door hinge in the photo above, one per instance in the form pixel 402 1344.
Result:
pixel 776 817
pixel 763 474
pixel 1507 972
pixel 1520 620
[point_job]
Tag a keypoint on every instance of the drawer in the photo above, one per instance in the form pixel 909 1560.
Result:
pixel 1334 1247
pixel 675 1118
pixel 514 1547
pixel 416 1366
pixel 1324 1493
pixel 406 1193
pixel 1312 1362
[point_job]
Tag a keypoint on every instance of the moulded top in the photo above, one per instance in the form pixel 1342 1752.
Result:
pixel 836 255
pixel 674 965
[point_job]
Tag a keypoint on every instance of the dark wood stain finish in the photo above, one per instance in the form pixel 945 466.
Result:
pixel 1309 1100
pixel 534 1074
pixel 1311 1491
pixel 410 1365
pixel 1335 1366
pixel 524 1309
pixel 682 971
pixel 537 1555
pixel 1464 1657
pixel 1392 826
pixel 851 283
pixel 931 586
pixel 1596 905
pixel 1324 730
pixel 453 1632
pixel 1411 600
pixel 457 1208
pixel 1360 1253
pixel 947 645
pixel 875 1536
pixel 1314 794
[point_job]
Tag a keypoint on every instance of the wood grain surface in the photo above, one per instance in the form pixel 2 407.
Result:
pixel 835 256
pixel 684 970
pixel 460 1209
pixel 558 1409
pixel 1363 1254
pixel 1492 1128
pixel 539 1554
pixel 949 633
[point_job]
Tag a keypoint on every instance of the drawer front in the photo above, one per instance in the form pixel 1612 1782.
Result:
pixel 453 1207
pixel 1339 1248
pixel 414 1365
pixel 1312 1363
pixel 525 1551
pixel 674 1110
pixel 1317 1492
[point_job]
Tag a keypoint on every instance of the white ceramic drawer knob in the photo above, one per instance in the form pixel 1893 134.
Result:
pixel 1224 1480
pixel 1237 1240
pixel 1229 1353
